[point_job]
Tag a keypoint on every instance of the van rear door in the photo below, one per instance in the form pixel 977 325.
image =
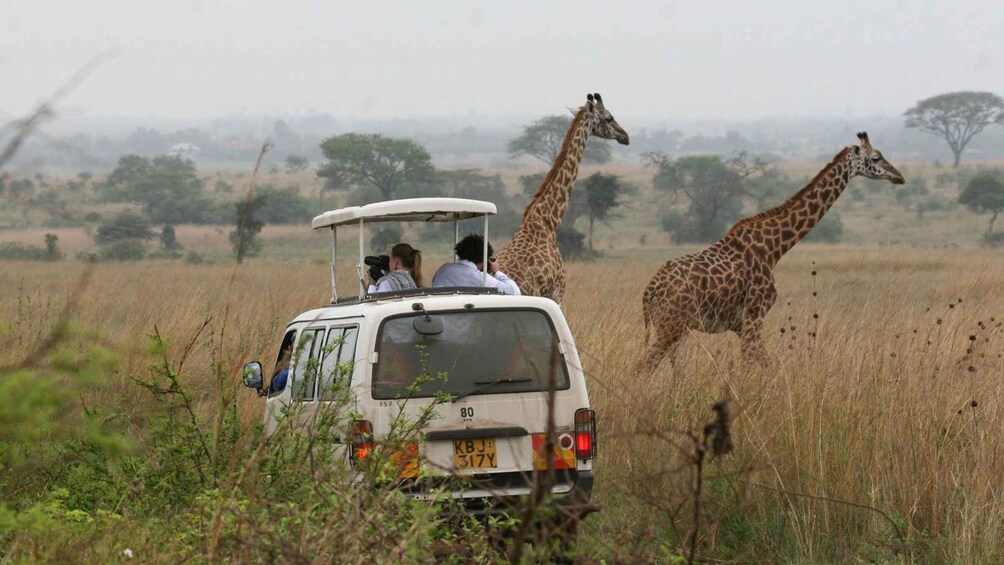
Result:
pixel 491 369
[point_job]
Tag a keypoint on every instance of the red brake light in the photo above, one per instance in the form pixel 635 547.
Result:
pixel 585 433
pixel 362 442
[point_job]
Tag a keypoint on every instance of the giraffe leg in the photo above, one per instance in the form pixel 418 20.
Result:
pixel 751 342
pixel 664 346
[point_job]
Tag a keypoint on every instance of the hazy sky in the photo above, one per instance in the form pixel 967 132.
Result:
pixel 431 58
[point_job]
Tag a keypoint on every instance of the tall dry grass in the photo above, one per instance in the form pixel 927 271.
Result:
pixel 873 433
pixel 890 398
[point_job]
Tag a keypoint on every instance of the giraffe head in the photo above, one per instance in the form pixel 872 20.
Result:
pixel 601 122
pixel 870 162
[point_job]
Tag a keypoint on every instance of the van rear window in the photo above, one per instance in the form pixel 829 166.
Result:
pixel 462 353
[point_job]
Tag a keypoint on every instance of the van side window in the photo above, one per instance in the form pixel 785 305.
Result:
pixel 338 363
pixel 305 364
pixel 280 372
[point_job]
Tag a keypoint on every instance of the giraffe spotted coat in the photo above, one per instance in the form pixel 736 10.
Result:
pixel 730 285
pixel 532 257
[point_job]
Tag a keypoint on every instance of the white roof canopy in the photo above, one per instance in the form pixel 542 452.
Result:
pixel 406 210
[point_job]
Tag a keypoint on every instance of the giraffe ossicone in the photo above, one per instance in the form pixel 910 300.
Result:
pixel 532 257
pixel 730 285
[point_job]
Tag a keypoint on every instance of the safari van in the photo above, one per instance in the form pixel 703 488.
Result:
pixel 487 361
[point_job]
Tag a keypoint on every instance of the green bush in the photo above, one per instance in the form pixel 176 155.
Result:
pixel 20 251
pixel 126 225
pixel 571 243
pixel 993 239
pixel 283 206
pixel 194 484
pixel 123 250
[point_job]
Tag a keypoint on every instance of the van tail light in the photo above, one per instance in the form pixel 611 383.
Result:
pixel 585 433
pixel 362 440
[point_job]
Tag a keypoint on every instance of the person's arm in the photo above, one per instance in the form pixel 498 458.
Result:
pixel 503 283
pixel 384 286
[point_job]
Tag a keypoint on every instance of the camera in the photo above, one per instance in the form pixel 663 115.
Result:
pixel 379 265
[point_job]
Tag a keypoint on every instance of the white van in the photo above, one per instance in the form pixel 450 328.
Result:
pixel 480 363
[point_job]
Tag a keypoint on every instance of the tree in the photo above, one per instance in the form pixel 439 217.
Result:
pixel 244 238
pixel 543 138
pixel 168 239
pixel 52 252
pixel 283 205
pixel 296 163
pixel 956 117
pixel 714 189
pixel 471 183
pixel 167 186
pixel 602 195
pixel 362 159
pixel 126 225
pixel 570 242
pixel 985 193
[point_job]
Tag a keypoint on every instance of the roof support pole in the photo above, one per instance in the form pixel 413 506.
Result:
pixel 456 238
pixel 484 255
pixel 334 264
pixel 360 269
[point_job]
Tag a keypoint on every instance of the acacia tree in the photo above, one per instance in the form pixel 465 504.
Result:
pixel 543 138
pixel 956 117
pixel 296 163
pixel 471 183
pixel 370 159
pixel 984 193
pixel 244 238
pixel 713 188
pixel 603 194
pixel 168 187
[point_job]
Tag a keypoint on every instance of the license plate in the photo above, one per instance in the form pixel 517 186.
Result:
pixel 477 453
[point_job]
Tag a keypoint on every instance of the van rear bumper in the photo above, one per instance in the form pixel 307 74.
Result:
pixel 572 497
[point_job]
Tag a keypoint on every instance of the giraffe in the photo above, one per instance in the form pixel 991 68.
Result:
pixel 532 257
pixel 730 285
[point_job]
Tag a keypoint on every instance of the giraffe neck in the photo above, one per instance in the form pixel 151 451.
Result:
pixel 551 200
pixel 777 230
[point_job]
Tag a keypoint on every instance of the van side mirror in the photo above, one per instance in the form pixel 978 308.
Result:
pixel 252 375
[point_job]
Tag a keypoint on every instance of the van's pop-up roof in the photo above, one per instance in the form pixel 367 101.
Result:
pixel 405 210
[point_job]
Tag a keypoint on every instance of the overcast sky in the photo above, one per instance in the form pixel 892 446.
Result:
pixel 433 58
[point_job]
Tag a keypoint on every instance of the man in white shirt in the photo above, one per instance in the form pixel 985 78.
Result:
pixel 467 271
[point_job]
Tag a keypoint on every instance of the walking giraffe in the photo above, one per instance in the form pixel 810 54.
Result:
pixel 532 257
pixel 730 285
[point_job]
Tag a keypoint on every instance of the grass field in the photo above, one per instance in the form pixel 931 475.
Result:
pixel 872 435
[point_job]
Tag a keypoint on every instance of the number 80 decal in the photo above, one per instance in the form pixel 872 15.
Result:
pixel 467 412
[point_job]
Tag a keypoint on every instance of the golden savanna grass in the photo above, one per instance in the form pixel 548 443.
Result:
pixel 873 433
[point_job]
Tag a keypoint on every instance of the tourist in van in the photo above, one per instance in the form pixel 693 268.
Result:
pixel 280 375
pixel 467 271
pixel 405 270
